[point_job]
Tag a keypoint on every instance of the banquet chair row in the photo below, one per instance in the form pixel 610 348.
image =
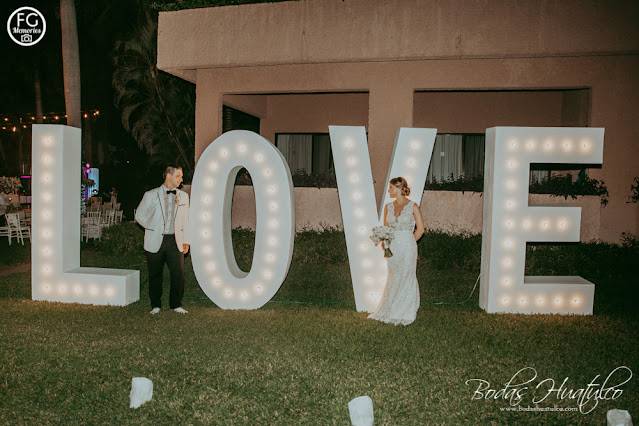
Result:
pixel 15 228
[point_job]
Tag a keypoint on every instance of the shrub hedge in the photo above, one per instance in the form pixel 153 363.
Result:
pixel 436 250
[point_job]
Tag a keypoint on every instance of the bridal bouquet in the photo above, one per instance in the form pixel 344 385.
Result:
pixel 383 234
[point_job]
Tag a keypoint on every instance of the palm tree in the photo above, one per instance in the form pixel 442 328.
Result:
pixel 158 109
pixel 71 63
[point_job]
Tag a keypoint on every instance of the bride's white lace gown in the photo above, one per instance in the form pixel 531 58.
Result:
pixel 400 300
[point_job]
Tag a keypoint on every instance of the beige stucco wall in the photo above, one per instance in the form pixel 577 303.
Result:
pixel 322 31
pixel 393 50
pixel 449 211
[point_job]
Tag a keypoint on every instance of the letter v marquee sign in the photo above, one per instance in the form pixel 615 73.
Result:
pixel 410 159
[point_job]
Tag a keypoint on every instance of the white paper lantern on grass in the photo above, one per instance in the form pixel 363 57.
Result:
pixel 56 274
pixel 211 202
pixel 509 223
pixel 361 411
pixel 141 391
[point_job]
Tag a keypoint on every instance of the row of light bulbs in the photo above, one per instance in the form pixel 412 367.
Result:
pixel 63 289
pixel 549 145
pixel 542 301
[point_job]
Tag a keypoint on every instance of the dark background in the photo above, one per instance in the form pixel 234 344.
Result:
pixel 106 144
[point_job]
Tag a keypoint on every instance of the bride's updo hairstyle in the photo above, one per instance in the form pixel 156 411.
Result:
pixel 400 182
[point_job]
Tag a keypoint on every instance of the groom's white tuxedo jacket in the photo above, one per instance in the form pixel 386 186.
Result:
pixel 150 214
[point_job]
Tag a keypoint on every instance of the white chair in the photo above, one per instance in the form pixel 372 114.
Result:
pixel 91 226
pixel 16 229
pixel 4 230
pixel 118 216
pixel 107 218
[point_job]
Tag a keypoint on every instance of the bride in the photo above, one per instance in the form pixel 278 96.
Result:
pixel 400 300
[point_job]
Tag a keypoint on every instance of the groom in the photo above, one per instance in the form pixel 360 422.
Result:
pixel 164 214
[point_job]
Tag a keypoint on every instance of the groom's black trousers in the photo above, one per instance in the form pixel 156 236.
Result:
pixel 170 254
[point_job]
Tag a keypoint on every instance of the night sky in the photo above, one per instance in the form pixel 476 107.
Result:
pixel 100 25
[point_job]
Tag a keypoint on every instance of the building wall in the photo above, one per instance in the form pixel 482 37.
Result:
pixel 333 31
pixel 474 112
pixel 400 51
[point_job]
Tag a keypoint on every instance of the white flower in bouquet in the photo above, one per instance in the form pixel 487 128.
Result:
pixel 383 234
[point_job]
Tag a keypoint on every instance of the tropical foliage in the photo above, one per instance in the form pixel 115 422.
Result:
pixel 158 109
pixel 171 5
pixel 634 192
pixel 10 184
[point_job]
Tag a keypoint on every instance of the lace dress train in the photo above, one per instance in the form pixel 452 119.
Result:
pixel 400 299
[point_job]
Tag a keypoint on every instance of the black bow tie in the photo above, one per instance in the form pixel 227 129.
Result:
pixel 171 192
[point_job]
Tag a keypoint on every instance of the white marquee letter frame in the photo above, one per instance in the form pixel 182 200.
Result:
pixel 56 274
pixel 508 221
pixel 411 158
pixel 214 262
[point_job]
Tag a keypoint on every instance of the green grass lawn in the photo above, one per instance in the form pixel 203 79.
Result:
pixel 302 357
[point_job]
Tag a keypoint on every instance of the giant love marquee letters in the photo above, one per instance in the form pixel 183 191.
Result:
pixel 56 274
pixel 508 220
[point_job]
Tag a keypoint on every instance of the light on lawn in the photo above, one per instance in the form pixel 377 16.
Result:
pixel 213 166
pixel 207 249
pixel 357 198
pixel 540 223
